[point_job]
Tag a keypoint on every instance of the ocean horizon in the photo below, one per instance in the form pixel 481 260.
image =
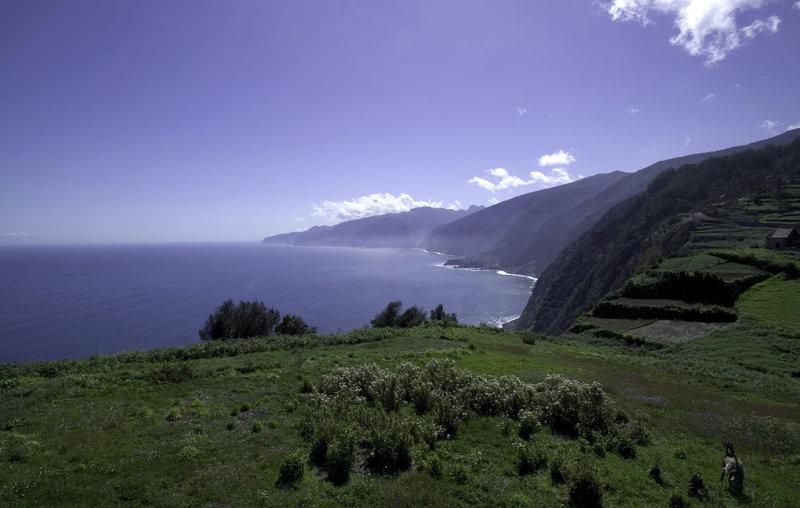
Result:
pixel 78 300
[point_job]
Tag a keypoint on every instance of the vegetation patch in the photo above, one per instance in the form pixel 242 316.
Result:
pixel 616 309
pixel 768 260
pixel 775 302
pixel 382 414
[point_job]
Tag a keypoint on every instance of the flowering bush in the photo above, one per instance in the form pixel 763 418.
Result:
pixel 530 458
pixel 340 457
pixel 447 412
pixel 361 410
pixel 389 445
pixel 529 423
pixel 567 406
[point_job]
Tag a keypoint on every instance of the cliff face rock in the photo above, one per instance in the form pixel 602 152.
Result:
pixel 517 234
pixel 607 253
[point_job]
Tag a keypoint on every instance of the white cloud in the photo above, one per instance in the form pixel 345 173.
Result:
pixel 373 204
pixel 633 111
pixel 503 180
pixel 557 176
pixel 794 125
pixel 758 26
pixel 797 5
pixel 492 201
pixel 706 28
pixel 521 111
pixel 687 141
pixel 559 158
pixel 769 125
pixel 708 98
pixel 16 234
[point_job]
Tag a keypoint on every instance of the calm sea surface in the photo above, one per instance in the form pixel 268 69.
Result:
pixel 75 301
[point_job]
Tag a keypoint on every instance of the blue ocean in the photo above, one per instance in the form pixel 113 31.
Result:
pixel 77 301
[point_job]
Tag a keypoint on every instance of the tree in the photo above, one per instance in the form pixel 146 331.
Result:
pixel 242 320
pixel 413 316
pixel 388 316
pixel 438 314
pixel 294 325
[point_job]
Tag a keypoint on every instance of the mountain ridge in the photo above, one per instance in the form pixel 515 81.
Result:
pixel 531 246
pixel 605 255
pixel 398 229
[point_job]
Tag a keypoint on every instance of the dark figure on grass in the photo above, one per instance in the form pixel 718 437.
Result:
pixel 733 469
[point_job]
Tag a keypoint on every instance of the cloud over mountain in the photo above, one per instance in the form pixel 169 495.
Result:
pixel 373 204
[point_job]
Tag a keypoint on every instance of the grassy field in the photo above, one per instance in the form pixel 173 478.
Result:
pixel 775 302
pixel 212 423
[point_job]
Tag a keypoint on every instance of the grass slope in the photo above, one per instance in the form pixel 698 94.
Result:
pixel 211 423
pixel 775 302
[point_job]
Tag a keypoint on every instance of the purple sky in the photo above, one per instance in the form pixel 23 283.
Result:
pixel 208 120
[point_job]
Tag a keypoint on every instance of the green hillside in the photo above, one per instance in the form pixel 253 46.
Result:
pixel 715 216
pixel 717 279
pixel 214 422
pixel 775 302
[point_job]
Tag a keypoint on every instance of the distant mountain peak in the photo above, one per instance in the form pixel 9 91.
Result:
pixel 396 229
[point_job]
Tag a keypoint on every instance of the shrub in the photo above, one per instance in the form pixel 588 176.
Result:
pixel 242 320
pixel 384 391
pixel 388 316
pixel 637 432
pixel 528 424
pixel 697 487
pixel 389 446
pixel 421 397
pixel 291 472
pixel 435 466
pixel 584 490
pixel 459 474
pixel 527 337
pixel 17 447
pixel 626 448
pixel 340 457
pixel 188 453
pixel 427 432
pixel 558 471
pixel 174 414
pixel 294 325
pixel 319 449
pixel 438 314
pixel 413 316
pixel 530 458
pixel 615 310
pixel 306 387
pixel 656 474
pixel 447 413
pixel 677 501
pixel 257 427
pixel 567 405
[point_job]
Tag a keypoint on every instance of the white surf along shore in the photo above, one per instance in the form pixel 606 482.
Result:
pixel 498 322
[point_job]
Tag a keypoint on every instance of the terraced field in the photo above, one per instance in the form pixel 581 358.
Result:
pixel 774 302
